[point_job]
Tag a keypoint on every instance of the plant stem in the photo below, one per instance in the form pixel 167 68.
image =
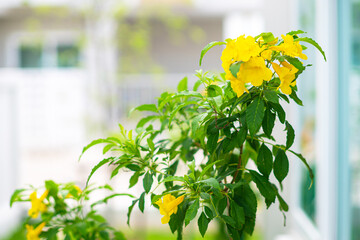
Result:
pixel 238 165
pixel 180 233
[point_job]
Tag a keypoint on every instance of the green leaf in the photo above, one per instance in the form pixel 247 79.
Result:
pixel 281 165
pixel 264 160
pixel 203 223
pixel 207 48
pixel 283 204
pixel 290 135
pixel 134 179
pixel 254 115
pixel 145 120
pixel 172 179
pixel 130 210
pixel 234 68
pixel 93 143
pixel 280 111
pixel 311 174
pixel 296 99
pixel 295 62
pixel 178 108
pixel 145 107
pixel 265 187
pixel 312 42
pixel 97 166
pixel 268 37
pixel 214 90
pixel 271 96
pixel 106 199
pixel 208 167
pixel 268 122
pixel 222 204
pixel 212 142
pixel 295 32
pixel 212 182
pixel 241 136
pixel 147 182
pixel 229 220
pixel 183 85
pixel 16 196
pixel 192 211
pixel 238 214
pixel 209 213
pixel 142 202
pixel 151 144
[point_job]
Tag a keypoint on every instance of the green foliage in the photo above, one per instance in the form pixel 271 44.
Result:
pixel 68 210
pixel 191 154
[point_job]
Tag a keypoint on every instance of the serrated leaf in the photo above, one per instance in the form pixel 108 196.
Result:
pixel 142 202
pixel 209 213
pixel 295 32
pixel 222 204
pixel 281 165
pixel 183 85
pixel 312 42
pixel 207 48
pixel 203 223
pixel 191 212
pixel 264 160
pixel 212 142
pixel 254 115
pixel 271 96
pixel 147 182
pixel 237 214
pixel 280 111
pixel 241 136
pixel 290 135
pixel 295 62
pixel 265 187
pixel 97 166
pixel 229 220
pixel 296 99
pixel 268 122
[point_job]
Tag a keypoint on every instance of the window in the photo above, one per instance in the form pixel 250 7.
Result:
pixel 52 52
pixel 67 55
pixel 30 56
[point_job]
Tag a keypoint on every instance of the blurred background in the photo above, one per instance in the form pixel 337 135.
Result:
pixel 71 70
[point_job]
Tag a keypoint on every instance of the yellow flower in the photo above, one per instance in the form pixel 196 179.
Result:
pixel 33 234
pixel 78 189
pixel 254 71
pixel 290 48
pixel 286 75
pixel 239 50
pixel 168 206
pixel 266 54
pixel 37 204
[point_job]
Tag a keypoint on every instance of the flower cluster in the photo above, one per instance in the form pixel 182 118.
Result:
pixel 248 60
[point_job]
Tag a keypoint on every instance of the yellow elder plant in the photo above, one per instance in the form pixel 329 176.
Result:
pixel 222 123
